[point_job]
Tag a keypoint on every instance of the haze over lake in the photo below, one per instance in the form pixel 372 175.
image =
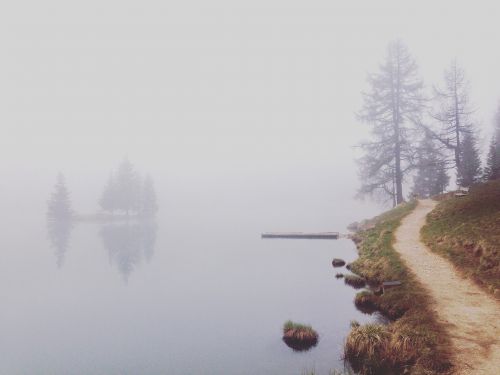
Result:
pixel 244 116
pixel 195 291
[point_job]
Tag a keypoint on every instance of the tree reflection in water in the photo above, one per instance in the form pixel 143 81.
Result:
pixel 59 232
pixel 128 243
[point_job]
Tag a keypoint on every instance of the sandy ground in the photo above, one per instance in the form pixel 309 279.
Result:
pixel 471 316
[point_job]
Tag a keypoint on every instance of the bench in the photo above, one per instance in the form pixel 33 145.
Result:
pixel 462 191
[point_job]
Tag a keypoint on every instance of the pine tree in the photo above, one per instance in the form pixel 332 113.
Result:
pixel 469 171
pixel 442 179
pixel 431 178
pixel 59 205
pixel 108 201
pixel 492 169
pixel 149 206
pixel 392 107
pixel 127 188
pixel 125 192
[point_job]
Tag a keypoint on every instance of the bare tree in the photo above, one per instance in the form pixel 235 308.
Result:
pixel 453 112
pixel 392 107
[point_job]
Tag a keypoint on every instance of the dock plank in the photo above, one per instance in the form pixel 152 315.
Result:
pixel 303 235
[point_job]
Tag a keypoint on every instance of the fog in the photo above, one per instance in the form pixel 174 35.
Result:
pixel 243 113
pixel 198 93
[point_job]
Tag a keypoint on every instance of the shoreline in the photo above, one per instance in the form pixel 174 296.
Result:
pixel 413 340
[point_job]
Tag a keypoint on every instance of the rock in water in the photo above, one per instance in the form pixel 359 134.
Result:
pixel 338 262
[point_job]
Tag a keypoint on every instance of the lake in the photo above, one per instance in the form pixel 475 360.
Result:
pixel 196 291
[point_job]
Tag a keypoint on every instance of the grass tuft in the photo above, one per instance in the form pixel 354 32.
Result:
pixel 299 336
pixel 354 281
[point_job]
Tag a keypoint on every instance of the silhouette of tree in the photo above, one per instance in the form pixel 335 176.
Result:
pixel 492 169
pixel 453 114
pixel 469 171
pixel 59 204
pixel 392 108
pixel 149 206
pixel 108 201
pixel 59 215
pixel 125 192
pixel 431 178
pixel 127 188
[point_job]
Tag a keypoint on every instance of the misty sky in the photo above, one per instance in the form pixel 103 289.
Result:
pixel 210 89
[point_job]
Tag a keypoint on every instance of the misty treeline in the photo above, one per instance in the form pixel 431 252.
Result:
pixel 125 192
pixel 420 134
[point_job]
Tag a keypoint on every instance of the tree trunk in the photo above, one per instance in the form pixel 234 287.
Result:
pixel 397 138
pixel 457 126
pixel 399 177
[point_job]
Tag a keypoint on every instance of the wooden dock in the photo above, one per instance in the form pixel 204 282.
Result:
pixel 303 235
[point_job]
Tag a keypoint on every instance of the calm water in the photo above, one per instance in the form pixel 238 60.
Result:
pixel 195 292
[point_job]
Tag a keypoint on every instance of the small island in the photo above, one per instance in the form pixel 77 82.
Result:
pixel 299 337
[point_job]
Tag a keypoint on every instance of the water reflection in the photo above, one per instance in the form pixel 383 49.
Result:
pixel 299 345
pixel 129 243
pixel 59 232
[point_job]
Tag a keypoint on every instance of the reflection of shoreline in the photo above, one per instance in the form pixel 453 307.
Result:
pixel 129 242
pixel 59 233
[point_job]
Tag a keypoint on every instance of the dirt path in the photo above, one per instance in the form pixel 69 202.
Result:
pixel 472 317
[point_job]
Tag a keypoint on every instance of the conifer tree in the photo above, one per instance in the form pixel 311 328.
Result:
pixel 469 171
pixel 108 201
pixel 127 188
pixel 431 178
pixel 392 107
pixel 59 204
pixel 492 169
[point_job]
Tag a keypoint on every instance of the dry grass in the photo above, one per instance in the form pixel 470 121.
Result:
pixel 299 336
pixel 414 342
pixel 354 281
pixel 466 231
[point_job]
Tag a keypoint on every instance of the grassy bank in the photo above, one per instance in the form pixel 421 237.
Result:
pixel 466 230
pixel 413 342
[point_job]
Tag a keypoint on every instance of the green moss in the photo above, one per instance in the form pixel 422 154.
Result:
pixel 292 325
